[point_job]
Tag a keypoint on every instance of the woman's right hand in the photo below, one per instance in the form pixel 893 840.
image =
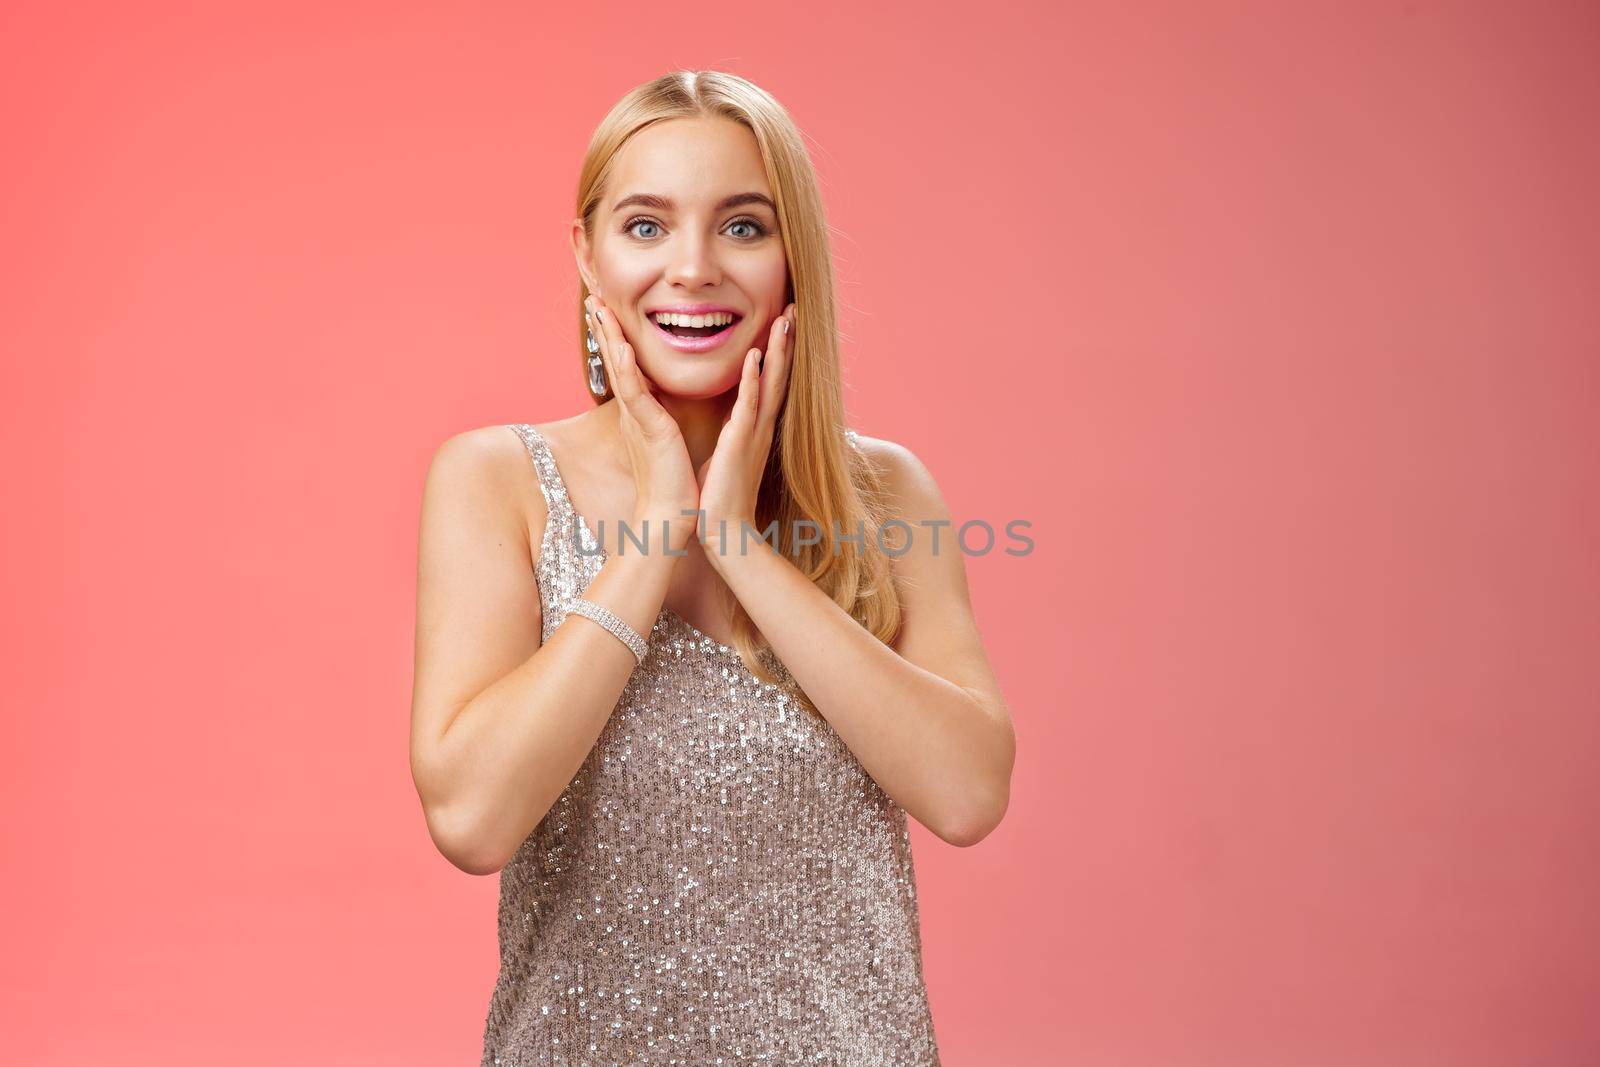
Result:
pixel 666 492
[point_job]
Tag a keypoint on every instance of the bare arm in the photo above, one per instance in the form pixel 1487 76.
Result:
pixel 926 718
pixel 499 723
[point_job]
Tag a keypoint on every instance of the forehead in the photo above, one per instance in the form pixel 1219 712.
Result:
pixel 692 161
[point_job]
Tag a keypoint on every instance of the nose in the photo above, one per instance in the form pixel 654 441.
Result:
pixel 693 263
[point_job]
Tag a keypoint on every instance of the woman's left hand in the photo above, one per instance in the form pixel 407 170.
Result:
pixel 731 479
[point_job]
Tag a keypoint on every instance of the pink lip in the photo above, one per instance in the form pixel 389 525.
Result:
pixel 692 309
pixel 694 344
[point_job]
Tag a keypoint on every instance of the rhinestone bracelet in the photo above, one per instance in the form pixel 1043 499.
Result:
pixel 607 618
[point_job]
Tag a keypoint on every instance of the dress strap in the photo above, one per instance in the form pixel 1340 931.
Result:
pixel 560 533
pixel 544 464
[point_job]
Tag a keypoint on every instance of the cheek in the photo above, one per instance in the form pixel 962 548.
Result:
pixel 775 277
pixel 766 283
pixel 621 276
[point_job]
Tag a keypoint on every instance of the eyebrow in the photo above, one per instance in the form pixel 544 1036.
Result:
pixel 661 203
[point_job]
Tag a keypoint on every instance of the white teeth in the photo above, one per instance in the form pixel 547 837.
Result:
pixel 715 318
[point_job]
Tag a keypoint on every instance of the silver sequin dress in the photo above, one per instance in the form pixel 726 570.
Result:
pixel 720 883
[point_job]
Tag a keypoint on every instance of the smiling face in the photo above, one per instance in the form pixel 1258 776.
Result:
pixel 687 222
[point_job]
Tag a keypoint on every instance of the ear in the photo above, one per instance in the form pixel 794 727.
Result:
pixel 584 255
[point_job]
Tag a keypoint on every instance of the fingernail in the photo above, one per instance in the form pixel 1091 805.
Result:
pixel 786 326
pixel 601 315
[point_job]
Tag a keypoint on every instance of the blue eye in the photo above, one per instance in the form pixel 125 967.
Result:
pixel 631 223
pixel 645 220
pixel 760 229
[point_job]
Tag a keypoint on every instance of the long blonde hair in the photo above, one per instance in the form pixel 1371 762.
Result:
pixel 813 473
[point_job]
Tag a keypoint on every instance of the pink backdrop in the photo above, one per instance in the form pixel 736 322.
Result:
pixel 1278 326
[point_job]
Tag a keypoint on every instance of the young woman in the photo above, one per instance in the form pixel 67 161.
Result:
pixel 686 660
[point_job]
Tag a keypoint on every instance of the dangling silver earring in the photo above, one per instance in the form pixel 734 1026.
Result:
pixel 597 371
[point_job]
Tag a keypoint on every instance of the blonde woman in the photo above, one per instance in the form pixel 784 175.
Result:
pixel 686 660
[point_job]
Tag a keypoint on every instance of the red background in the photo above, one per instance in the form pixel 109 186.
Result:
pixel 1271 318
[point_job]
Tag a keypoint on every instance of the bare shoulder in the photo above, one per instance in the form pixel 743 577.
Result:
pixel 492 456
pixel 488 467
pixel 914 494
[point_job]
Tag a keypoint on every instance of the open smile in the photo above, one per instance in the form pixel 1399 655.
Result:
pixel 695 338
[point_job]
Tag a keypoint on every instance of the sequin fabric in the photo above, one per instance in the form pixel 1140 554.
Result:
pixel 720 883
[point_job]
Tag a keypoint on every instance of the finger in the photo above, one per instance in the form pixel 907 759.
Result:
pixel 775 373
pixel 603 340
pixel 647 385
pixel 626 382
pixel 599 327
pixel 639 385
pixel 745 405
pixel 640 399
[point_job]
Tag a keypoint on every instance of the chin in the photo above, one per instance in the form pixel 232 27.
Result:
pixel 696 391
pixel 694 378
